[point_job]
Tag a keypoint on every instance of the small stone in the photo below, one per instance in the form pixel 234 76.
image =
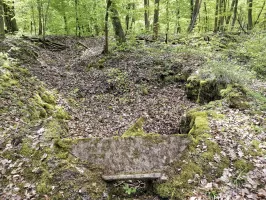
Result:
pixel 40 131
pixel 16 189
pixel 44 157
pixel 262 193
pixel 16 177
pixel 27 185
pixel 164 177
pixel 190 181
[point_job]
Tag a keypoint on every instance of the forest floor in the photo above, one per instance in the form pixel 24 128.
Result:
pixel 105 95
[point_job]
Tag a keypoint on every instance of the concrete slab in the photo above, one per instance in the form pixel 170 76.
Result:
pixel 131 155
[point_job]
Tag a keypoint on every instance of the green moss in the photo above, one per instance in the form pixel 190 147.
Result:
pixel 203 91
pixel 192 88
pixel 6 81
pixel 179 187
pixel 144 90
pixel 243 165
pixel 136 129
pixel 53 129
pixel 236 96
pixel 44 184
pixel 47 97
pixel 26 149
pixel 65 144
pixel 60 113
pixel 199 123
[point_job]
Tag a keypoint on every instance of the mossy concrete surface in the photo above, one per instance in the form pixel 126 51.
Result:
pixel 131 154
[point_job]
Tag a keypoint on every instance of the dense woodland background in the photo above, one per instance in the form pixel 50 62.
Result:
pixel 164 18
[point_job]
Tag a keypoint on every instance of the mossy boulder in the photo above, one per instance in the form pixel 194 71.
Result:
pixel 203 90
pixel 236 96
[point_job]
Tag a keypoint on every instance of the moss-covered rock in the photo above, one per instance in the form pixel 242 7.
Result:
pixel 236 96
pixel 203 91
pixel 192 88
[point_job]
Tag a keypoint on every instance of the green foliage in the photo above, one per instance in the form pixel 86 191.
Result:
pixel 253 50
pixel 226 72
pixel 129 190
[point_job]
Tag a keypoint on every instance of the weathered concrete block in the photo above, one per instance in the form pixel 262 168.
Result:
pixel 131 154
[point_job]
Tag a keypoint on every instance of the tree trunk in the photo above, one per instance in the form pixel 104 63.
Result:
pixel 167 22
pixel 129 17
pixel 195 15
pixel 65 22
pixel 2 26
pixel 10 20
pixel 177 26
pixel 206 21
pixel 156 20
pixel 221 15
pixel 146 14
pixel 106 30
pixel 228 18
pixel 250 21
pixel 257 20
pixel 119 32
pixel 191 10
pixel 216 25
pixel 78 34
pixel 33 21
pixel 235 14
pixel 45 17
pixel 39 8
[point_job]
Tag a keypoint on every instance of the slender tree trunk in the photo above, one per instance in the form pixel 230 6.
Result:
pixel 2 26
pixel 129 17
pixel 156 19
pixel 177 26
pixel 228 18
pixel 39 8
pixel 146 14
pixel 221 15
pixel 257 20
pixel 106 30
pixel 167 23
pixel 191 10
pixel 195 15
pixel 33 20
pixel 66 23
pixel 206 21
pixel 78 34
pixel 234 14
pixel 216 24
pixel 45 17
pixel 119 32
pixel 250 21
